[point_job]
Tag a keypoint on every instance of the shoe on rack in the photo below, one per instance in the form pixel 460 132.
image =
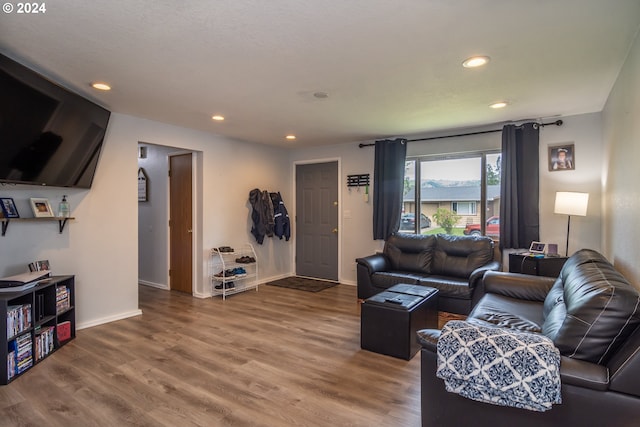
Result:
pixel 227 285
pixel 239 272
pixel 227 274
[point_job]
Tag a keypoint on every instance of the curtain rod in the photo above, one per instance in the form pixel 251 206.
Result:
pixel 557 123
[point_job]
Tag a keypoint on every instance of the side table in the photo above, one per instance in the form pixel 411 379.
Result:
pixel 548 266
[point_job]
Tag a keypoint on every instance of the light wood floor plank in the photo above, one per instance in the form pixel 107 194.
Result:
pixel 277 357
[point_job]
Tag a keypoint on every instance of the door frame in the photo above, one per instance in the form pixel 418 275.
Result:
pixel 295 213
pixel 196 220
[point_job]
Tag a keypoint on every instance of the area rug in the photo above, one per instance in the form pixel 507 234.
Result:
pixel 302 284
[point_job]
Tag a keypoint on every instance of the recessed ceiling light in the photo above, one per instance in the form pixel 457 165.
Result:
pixel 290 137
pixel 500 104
pixel 476 61
pixel 217 118
pixel 101 86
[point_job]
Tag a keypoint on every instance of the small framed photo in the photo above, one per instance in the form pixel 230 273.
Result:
pixel 41 208
pixel 9 209
pixel 562 157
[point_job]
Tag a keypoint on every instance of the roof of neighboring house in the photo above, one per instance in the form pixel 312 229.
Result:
pixel 454 194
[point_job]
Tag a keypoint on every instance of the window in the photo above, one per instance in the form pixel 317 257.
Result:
pixel 457 195
pixel 464 208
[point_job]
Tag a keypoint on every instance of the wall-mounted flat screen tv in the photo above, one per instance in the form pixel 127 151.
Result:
pixel 48 135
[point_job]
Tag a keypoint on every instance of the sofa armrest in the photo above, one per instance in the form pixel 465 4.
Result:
pixel 428 339
pixel 516 285
pixel 584 374
pixel 478 273
pixel 375 263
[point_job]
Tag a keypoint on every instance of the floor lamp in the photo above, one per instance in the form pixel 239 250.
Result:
pixel 570 203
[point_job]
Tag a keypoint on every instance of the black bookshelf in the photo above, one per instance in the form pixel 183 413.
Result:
pixel 38 321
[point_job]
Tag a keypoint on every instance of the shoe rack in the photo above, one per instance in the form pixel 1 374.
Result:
pixel 233 270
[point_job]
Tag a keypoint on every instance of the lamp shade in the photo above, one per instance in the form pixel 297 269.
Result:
pixel 571 203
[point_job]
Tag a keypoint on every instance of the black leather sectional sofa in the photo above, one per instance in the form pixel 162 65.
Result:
pixel 452 264
pixel 592 315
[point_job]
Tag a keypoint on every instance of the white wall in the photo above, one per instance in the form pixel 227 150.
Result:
pixel 585 131
pixel 356 235
pixel 226 171
pixel 101 246
pixel 620 172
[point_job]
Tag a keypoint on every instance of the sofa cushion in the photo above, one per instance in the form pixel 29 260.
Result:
pixel 459 256
pixel 507 312
pixel 597 311
pixel 450 287
pixel 410 252
pixel 385 279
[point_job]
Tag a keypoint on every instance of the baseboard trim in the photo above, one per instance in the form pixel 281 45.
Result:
pixel 348 283
pixel 108 319
pixel 153 284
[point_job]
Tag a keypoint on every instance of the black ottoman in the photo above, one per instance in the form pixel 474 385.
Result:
pixel 389 320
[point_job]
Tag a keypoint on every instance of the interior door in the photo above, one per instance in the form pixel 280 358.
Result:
pixel 181 223
pixel 317 220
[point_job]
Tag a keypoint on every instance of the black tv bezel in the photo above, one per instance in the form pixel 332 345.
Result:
pixel 55 90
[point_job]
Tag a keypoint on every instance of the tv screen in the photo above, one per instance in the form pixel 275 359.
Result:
pixel 48 135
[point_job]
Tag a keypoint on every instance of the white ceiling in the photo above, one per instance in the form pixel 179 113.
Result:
pixel 391 68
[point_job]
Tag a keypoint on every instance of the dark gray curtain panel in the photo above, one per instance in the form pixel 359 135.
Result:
pixel 519 193
pixel 388 186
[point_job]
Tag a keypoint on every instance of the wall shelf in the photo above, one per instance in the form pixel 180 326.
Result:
pixel 62 221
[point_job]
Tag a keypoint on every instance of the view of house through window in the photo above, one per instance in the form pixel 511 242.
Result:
pixel 459 196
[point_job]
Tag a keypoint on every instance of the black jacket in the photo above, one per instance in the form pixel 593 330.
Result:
pixel 281 217
pixel 261 215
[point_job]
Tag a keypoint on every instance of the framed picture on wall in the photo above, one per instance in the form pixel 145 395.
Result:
pixel 41 207
pixel 9 209
pixel 562 157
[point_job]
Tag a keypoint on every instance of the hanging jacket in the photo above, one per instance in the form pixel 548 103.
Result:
pixel 268 213
pixel 281 217
pixel 258 215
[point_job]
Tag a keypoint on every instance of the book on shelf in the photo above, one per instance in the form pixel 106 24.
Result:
pixel 64 331
pixel 18 319
pixel 62 299
pixel 11 364
pixel 22 350
pixel 44 342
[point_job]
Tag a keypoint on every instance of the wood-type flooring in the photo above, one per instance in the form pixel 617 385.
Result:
pixel 276 357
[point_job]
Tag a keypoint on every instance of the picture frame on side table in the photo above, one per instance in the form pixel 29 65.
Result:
pixel 562 157
pixel 9 209
pixel 41 207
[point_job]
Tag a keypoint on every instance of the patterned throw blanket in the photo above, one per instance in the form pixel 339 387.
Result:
pixel 499 366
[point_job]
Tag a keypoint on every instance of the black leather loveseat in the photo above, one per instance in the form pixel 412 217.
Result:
pixel 592 315
pixel 452 264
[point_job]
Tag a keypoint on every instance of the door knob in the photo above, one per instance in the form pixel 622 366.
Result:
pixel 335 230
pixel 189 231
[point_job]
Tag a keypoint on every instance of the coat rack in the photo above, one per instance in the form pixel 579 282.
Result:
pixel 361 180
